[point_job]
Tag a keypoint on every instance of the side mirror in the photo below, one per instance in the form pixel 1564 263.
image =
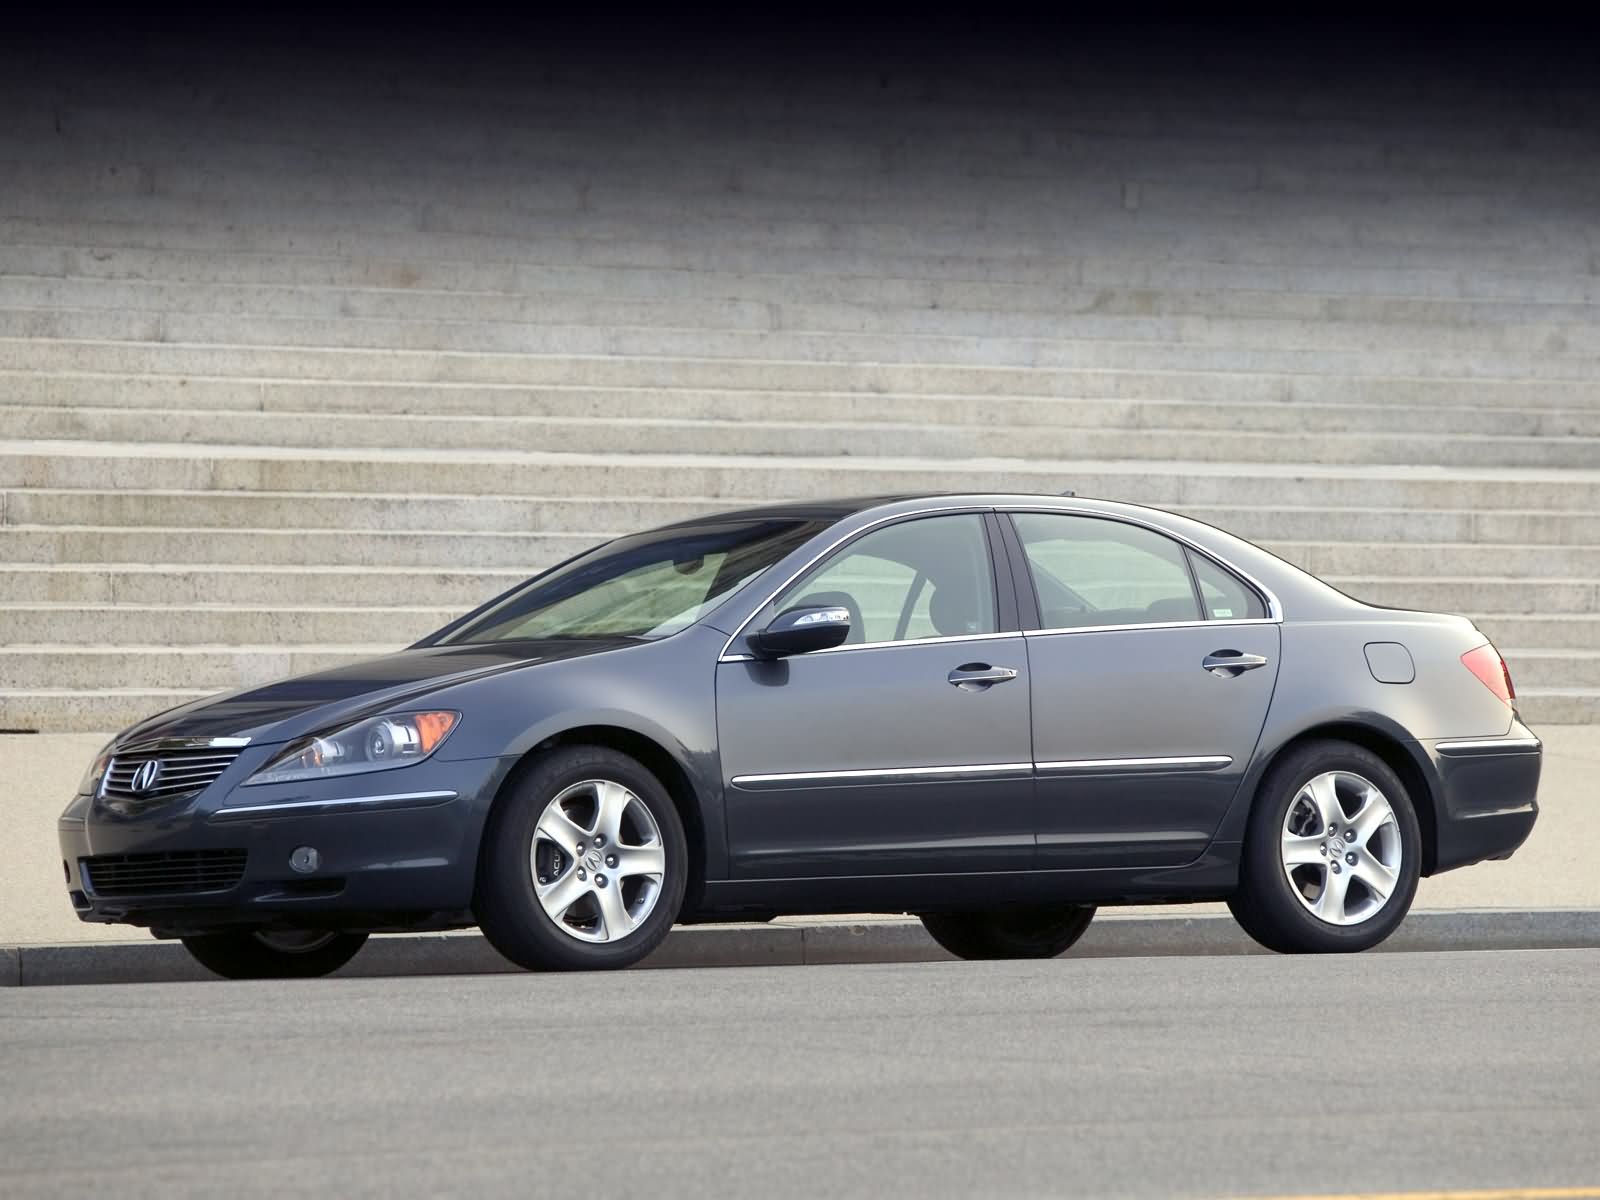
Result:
pixel 802 630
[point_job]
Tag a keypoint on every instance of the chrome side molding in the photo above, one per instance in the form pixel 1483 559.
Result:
pixel 881 774
pixel 1200 762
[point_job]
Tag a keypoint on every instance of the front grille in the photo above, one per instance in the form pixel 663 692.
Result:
pixel 176 873
pixel 179 774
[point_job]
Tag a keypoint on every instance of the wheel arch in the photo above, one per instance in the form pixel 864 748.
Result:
pixel 655 757
pixel 1399 753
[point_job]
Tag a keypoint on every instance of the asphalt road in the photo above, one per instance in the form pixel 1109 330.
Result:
pixel 1143 1077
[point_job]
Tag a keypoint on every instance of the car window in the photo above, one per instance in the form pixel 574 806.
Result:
pixel 1092 571
pixel 916 579
pixel 1226 597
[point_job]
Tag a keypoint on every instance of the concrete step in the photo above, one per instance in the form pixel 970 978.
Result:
pixel 585 435
pixel 973 224
pixel 73 710
pixel 600 183
pixel 1559 706
pixel 1524 533
pixel 220 624
pixel 524 258
pixel 1308 347
pixel 1469 595
pixel 996 213
pixel 77 390
pixel 109 582
pixel 95 667
pixel 391 281
pixel 424 551
pixel 1410 559
pixel 1186 381
pixel 157 466
pixel 1201 317
pixel 1561 631
pixel 1553 668
pixel 371 513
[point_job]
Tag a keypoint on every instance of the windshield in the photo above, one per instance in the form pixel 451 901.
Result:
pixel 646 586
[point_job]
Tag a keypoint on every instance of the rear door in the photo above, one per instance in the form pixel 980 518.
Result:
pixel 1151 670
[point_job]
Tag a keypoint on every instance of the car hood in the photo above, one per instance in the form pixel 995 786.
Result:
pixel 305 704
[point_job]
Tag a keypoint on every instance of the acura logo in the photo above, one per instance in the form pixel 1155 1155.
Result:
pixel 145 777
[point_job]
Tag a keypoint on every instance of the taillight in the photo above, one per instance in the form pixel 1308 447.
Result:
pixel 1485 662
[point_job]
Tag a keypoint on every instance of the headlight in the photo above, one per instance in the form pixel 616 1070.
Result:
pixel 90 783
pixel 376 744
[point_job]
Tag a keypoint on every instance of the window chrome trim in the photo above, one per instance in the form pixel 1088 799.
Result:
pixel 1147 625
pixel 882 773
pixel 927 641
pixel 245 812
pixel 829 549
pixel 1274 608
pixel 1467 747
pixel 1201 762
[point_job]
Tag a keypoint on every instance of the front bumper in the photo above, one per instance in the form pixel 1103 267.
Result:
pixel 394 849
pixel 1487 801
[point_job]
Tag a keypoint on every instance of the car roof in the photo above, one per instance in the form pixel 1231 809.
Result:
pixel 797 510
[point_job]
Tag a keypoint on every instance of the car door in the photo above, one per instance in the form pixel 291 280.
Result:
pixel 1151 667
pixel 906 749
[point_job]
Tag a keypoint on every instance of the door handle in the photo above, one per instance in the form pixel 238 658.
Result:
pixel 1230 664
pixel 975 677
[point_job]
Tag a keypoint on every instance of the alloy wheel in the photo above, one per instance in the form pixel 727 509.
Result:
pixel 1341 848
pixel 598 861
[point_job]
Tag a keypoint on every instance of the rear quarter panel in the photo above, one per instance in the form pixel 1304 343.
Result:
pixel 1324 680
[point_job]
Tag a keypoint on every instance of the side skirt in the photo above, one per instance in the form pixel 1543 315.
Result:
pixel 1212 876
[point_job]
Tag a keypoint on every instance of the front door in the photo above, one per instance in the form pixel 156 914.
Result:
pixel 1152 669
pixel 903 751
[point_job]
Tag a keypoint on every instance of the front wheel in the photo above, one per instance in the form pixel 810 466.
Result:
pixel 584 864
pixel 274 953
pixel 1332 853
pixel 1010 933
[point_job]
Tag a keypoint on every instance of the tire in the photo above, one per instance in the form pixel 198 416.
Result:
pixel 548 908
pixel 1286 863
pixel 1010 933
pixel 274 954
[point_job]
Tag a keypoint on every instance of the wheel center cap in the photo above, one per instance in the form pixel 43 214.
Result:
pixel 593 860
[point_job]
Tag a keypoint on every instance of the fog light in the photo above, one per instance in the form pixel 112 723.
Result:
pixel 305 860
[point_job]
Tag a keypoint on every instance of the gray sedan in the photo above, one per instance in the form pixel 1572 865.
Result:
pixel 997 712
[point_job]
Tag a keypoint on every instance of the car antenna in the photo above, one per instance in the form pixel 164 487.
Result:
pixel 1069 492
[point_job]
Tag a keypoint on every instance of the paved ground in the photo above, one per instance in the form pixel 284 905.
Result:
pixel 1139 1077
pixel 1554 870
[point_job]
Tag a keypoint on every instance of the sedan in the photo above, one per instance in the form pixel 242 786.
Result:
pixel 996 712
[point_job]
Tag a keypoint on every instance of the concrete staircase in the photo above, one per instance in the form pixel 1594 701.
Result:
pixel 292 374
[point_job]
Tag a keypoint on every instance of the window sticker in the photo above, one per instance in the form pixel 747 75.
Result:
pixel 1222 612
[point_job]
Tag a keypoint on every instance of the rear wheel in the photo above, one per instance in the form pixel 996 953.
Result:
pixel 1010 933
pixel 584 864
pixel 1332 853
pixel 274 953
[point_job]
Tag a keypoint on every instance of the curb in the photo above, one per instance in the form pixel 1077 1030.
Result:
pixel 893 939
